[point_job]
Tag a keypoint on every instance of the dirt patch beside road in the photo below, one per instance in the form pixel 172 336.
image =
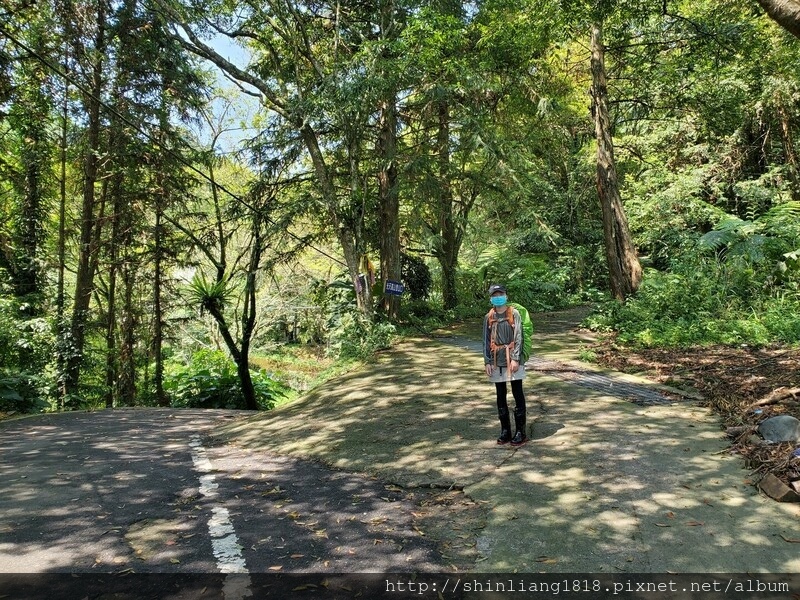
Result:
pixel 731 380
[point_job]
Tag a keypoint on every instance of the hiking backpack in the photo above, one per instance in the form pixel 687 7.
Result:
pixel 527 329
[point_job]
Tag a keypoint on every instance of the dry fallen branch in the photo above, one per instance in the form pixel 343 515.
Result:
pixel 775 396
pixel 737 432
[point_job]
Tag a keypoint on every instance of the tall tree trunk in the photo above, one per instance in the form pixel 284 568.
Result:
pixel 625 272
pixel 86 249
pixel 249 314
pixel 29 230
pixel 386 150
pixel 160 199
pixel 30 116
pixel 345 234
pixel 111 320
pixel 389 203
pixel 447 246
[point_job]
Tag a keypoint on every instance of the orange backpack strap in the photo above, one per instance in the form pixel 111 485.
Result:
pixel 493 345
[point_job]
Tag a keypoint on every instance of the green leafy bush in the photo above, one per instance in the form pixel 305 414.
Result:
pixel 416 276
pixel 22 392
pixel 210 380
pixel 539 282
pixel 700 306
pixel 352 336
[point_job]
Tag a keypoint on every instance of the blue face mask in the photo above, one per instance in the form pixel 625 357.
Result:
pixel 498 300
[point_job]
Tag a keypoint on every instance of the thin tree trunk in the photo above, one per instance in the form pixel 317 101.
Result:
pixel 111 324
pixel 158 330
pixel 447 250
pixel 388 196
pixel 625 272
pixel 127 356
pixel 249 316
pixel 242 362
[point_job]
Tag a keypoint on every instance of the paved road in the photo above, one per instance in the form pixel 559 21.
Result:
pixel 606 484
pixel 141 491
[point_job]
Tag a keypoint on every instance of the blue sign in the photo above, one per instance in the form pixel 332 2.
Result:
pixel 394 288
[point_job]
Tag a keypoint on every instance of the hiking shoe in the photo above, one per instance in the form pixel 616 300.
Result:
pixel 519 439
pixel 505 437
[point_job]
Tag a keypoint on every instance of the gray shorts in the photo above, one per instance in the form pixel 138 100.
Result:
pixel 501 374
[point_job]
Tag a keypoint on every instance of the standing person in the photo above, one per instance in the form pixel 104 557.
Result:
pixel 502 346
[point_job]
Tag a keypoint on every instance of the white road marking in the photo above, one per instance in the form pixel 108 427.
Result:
pixel 224 543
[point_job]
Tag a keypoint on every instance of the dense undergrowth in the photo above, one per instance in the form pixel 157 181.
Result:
pixel 716 294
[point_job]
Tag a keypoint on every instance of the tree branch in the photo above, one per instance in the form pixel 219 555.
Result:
pixel 785 13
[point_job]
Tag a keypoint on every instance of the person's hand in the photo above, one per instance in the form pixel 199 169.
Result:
pixel 489 369
pixel 514 366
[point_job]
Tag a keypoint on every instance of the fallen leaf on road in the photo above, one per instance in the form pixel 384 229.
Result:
pixel 276 568
pixel 663 525
pixel 670 515
pixel 790 540
pixel 174 561
pixel 694 523
pixel 297 556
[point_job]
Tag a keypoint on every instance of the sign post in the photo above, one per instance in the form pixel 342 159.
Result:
pixel 394 288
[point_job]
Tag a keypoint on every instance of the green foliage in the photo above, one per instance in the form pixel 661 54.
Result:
pixel 540 282
pixel 25 342
pixel 26 382
pixel 416 276
pixel 767 238
pixel 427 315
pixel 23 392
pixel 210 380
pixel 350 335
pixel 300 367
pixel 702 304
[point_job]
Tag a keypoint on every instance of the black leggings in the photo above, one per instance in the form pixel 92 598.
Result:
pixel 516 390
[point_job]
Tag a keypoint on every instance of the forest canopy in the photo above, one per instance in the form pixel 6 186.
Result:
pixel 178 225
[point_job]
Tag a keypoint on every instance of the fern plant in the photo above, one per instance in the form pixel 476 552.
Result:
pixel 209 295
pixel 770 236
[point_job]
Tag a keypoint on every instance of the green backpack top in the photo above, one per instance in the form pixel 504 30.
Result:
pixel 527 331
